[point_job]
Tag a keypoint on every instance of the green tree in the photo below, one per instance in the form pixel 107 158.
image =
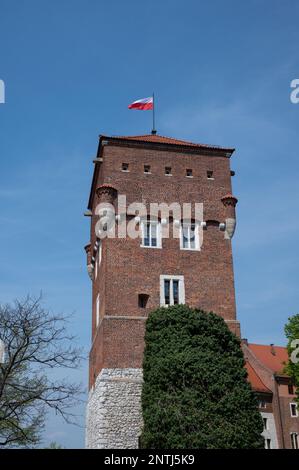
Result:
pixel 292 333
pixel 195 393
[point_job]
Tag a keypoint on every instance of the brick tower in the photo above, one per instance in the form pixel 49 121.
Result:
pixel 131 276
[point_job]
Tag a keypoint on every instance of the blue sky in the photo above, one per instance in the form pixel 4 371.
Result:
pixel 221 72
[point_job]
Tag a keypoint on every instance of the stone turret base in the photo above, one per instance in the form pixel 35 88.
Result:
pixel 114 417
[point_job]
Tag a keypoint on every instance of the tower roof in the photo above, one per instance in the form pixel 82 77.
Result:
pixel 161 139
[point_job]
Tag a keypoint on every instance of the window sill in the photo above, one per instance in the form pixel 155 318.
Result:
pixel 152 247
pixel 170 305
pixel 189 249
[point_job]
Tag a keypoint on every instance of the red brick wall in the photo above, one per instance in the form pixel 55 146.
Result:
pixel 281 399
pixel 290 424
pixel 127 269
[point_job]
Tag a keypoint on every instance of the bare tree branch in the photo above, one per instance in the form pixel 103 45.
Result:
pixel 35 340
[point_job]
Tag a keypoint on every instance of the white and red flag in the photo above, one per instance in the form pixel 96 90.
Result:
pixel 143 104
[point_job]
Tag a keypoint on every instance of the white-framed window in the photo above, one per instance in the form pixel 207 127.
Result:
pixel 98 259
pixel 151 234
pixel 262 404
pixel 294 410
pixel 100 253
pixel 96 268
pixel 268 443
pixel 97 310
pixel 265 422
pixel 189 236
pixel 172 290
pixel 294 440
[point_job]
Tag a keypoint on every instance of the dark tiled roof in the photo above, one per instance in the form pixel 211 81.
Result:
pixel 160 139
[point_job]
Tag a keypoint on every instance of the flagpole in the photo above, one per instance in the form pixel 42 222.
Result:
pixel 154 130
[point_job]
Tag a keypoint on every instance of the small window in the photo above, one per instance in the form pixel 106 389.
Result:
pixel 100 252
pixel 97 310
pixel 267 443
pixel 189 173
pixel 124 167
pixel 150 234
pixel 147 169
pixel 172 291
pixel 98 258
pixel 294 440
pixel 294 411
pixel 210 175
pixel 265 422
pixel 167 291
pixel 189 236
pixel 175 291
pixel 291 389
pixel 96 269
pixel 262 404
pixel 168 171
pixel 142 300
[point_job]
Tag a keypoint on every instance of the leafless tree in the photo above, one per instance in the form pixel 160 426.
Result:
pixel 35 343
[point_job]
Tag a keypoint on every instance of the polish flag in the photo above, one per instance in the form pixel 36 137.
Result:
pixel 144 104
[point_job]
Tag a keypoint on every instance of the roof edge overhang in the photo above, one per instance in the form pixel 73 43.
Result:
pixel 265 393
pixel 281 376
pixel 193 147
pixel 95 173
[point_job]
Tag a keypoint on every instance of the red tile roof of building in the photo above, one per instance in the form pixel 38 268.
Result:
pixel 273 357
pixel 161 139
pixel 255 381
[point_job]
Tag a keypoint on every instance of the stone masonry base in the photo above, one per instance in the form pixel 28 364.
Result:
pixel 114 417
